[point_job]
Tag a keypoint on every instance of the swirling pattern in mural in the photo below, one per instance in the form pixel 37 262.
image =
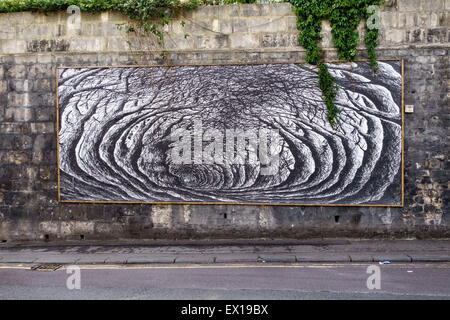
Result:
pixel 115 127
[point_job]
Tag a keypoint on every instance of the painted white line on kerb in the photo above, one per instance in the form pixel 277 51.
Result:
pixel 444 265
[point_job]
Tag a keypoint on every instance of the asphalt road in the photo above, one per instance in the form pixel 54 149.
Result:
pixel 251 281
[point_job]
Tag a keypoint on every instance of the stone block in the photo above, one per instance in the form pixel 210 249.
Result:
pixel 43 85
pixel 45 114
pixel 42 71
pixel 117 44
pixel 260 25
pixel 87 44
pixel 13 127
pixel 253 10
pixel 52 45
pixel 20 100
pixel 389 19
pixel 244 40
pixel 13 46
pixel 176 27
pixel 55 17
pixel 291 24
pixel 212 41
pixel 409 5
pixel 161 216
pixel 19 86
pixel 198 27
pixel 215 25
pixel 436 19
pixel 13 18
pixel 423 20
pixel 22 142
pixel 15 157
pixel 267 25
pixel 84 227
pixel 233 25
pixel 19 114
pixel 116 17
pixel 176 42
pixel 281 9
pixel 415 35
pixel 394 36
pixel 279 40
pixel 437 35
pixel 7 32
pixel 74 30
pixel 230 10
pixel 3 86
pixel 107 29
pixel 407 20
pixel 25 59
pixel 86 29
pixel 432 5
pixel 42 127
pixel 36 31
pixel 85 17
pixel 207 12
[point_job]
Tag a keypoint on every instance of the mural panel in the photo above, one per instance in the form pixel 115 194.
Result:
pixel 230 134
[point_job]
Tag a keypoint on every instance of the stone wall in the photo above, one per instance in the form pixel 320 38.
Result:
pixel 32 46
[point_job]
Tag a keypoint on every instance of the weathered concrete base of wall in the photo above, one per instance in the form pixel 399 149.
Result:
pixel 32 46
pixel 114 222
pixel 193 222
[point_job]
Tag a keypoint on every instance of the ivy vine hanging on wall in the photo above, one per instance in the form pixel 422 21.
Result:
pixel 344 17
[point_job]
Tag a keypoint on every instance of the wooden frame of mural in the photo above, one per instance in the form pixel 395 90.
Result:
pixel 122 139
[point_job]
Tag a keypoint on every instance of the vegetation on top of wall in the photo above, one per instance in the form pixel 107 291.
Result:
pixel 151 15
pixel 139 9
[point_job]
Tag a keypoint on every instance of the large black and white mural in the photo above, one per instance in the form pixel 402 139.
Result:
pixel 230 133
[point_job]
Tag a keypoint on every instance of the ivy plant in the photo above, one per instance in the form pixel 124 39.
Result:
pixel 344 17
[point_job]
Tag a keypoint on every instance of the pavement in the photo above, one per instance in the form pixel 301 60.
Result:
pixel 227 251
pixel 280 269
